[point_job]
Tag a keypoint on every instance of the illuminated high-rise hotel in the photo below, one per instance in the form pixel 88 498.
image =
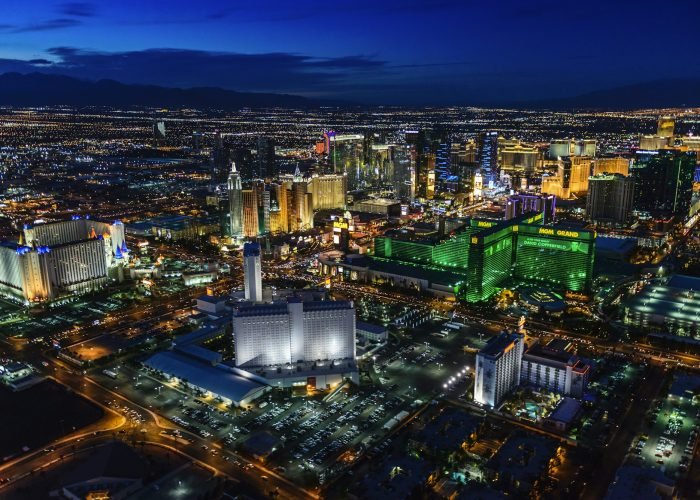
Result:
pixel 284 333
pixel 346 156
pixel 250 220
pixel 522 203
pixel 235 200
pixel 561 148
pixel 285 338
pixel 665 126
pixel 516 158
pixel 479 259
pixel 498 367
pixel 610 198
pixel 61 258
pixel 158 132
pixel 328 191
pixel 488 157
pixel 652 142
pixel 571 177
pixel 381 166
pixel 560 257
pixel 611 165
pixel 404 175
pixel 279 208
pixel 663 181
pixel 574 172
pixel 264 199
pixel 252 272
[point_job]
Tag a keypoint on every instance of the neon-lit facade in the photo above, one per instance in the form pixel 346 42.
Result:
pixel 559 257
pixel 445 254
pixel 484 256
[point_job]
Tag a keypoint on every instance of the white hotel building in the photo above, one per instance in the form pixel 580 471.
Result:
pixel 498 369
pixel 60 258
pixel 296 342
pixel 555 367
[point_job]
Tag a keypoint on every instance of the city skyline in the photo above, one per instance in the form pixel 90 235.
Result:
pixel 381 250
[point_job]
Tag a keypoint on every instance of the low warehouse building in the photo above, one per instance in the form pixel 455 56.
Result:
pixel 233 386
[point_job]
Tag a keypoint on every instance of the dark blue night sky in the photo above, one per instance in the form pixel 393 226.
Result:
pixel 377 51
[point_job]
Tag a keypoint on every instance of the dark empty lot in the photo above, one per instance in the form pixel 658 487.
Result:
pixel 38 415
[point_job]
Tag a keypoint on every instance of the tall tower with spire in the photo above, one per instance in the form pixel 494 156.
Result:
pixel 298 177
pixel 235 201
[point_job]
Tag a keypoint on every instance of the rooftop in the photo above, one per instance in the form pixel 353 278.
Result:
pixel 324 305
pixel 251 249
pixel 497 345
pixel 422 272
pixel 684 282
pixel 199 335
pixel 523 457
pixel 247 309
pixel 676 299
pixel 201 353
pixel 369 327
pixel 550 353
pixel 638 483
pixel 173 222
pixel 395 477
pixel 685 385
pixel 211 299
pixel 448 430
pixel 543 298
pixel 566 411
pixel 230 383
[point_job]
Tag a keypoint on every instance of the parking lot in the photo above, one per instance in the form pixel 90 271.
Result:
pixel 313 436
pixel 604 409
pixel 59 321
pixel 312 432
pixel 670 442
pixel 431 362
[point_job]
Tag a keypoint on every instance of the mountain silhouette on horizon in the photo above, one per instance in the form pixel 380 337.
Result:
pixel 41 89
pixel 671 93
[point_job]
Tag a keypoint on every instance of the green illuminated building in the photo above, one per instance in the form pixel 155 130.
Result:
pixel 445 253
pixel 486 255
pixel 491 259
pixel 559 257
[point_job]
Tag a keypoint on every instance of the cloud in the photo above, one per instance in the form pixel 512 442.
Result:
pixel 358 62
pixel 361 78
pixel 51 24
pixel 268 72
pixel 77 9
pixel 40 62
pixel 71 14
